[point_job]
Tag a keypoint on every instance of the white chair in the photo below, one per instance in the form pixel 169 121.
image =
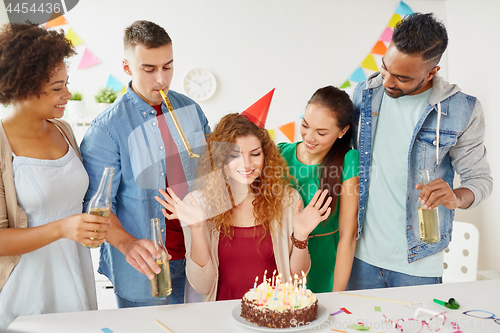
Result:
pixel 460 257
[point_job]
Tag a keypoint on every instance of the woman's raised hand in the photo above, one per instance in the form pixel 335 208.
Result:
pixel 189 214
pixel 168 204
pixel 316 211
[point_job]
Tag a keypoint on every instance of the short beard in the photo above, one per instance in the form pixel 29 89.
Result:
pixel 405 93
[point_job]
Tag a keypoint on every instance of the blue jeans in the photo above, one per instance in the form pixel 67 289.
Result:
pixel 366 276
pixel 178 277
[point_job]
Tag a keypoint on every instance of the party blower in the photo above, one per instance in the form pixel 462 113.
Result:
pixel 178 126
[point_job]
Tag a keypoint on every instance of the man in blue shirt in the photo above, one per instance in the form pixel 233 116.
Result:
pixel 137 137
pixel 411 119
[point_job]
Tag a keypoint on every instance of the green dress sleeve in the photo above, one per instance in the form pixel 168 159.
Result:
pixel 351 165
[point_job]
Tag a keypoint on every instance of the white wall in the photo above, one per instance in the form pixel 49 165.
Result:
pixel 296 46
pixel 473 55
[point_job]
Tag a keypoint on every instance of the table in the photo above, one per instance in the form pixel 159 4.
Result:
pixel 216 316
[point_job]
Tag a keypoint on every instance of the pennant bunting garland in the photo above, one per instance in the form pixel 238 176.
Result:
pixel 386 35
pixel 271 133
pixel 73 37
pixel 394 20
pixel 358 75
pixel 114 84
pixel 379 48
pixel 369 63
pixel 124 90
pixel 372 62
pixel 345 84
pixel 56 20
pixel 88 59
pixel 403 9
pixel 289 131
pixel 368 66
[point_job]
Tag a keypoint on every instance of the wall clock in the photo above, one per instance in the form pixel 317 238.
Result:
pixel 200 84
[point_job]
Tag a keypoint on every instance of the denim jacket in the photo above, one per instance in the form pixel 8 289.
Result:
pixel 126 136
pixel 459 136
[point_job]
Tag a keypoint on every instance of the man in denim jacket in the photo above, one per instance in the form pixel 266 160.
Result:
pixel 411 119
pixel 136 136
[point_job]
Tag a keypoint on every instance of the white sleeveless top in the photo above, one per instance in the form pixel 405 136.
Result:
pixel 58 277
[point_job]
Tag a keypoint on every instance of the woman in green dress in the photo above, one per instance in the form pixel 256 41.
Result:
pixel 324 160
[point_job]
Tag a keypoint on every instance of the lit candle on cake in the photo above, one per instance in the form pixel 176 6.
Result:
pixel 304 286
pixel 265 272
pixel 278 281
pixel 255 283
pixel 295 277
pixel 273 277
pixel 286 294
pixel 275 294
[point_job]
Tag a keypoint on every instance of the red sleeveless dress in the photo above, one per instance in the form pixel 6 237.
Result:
pixel 241 259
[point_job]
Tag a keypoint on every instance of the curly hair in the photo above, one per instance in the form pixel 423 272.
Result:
pixel 421 34
pixel 28 56
pixel 271 188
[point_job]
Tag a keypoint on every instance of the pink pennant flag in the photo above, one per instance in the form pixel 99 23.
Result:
pixel 386 35
pixel 88 59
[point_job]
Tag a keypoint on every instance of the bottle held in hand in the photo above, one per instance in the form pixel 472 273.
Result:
pixel 161 285
pixel 428 219
pixel 100 203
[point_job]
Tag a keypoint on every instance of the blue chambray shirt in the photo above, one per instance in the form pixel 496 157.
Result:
pixel 126 136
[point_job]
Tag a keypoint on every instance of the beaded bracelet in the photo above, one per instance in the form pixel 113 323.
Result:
pixel 301 245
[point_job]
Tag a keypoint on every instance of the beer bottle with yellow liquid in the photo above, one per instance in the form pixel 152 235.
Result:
pixel 161 285
pixel 428 219
pixel 100 203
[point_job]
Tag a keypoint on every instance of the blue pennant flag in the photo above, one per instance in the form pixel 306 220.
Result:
pixel 114 84
pixel 358 75
pixel 403 9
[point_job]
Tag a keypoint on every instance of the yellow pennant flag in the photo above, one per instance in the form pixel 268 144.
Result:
pixel 394 20
pixel 369 63
pixel 73 37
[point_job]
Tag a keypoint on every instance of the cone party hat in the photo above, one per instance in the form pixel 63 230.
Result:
pixel 257 112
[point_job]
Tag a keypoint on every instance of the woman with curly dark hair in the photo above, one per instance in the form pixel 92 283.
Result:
pixel 43 266
pixel 244 218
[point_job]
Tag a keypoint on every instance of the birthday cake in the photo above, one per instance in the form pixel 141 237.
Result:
pixel 280 306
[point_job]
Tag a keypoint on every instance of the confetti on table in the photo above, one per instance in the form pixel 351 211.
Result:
pixel 106 330
pixel 336 313
pixel 333 329
pixel 359 327
pixel 377 308
pixel 345 310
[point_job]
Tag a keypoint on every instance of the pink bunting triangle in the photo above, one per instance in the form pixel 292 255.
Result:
pixel 386 35
pixel 88 59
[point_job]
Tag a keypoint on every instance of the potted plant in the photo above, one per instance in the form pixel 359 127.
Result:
pixel 75 107
pixel 105 97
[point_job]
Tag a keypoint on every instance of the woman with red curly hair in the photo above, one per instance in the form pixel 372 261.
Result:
pixel 43 266
pixel 243 218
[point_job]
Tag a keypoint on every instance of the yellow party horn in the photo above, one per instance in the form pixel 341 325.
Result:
pixel 178 126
